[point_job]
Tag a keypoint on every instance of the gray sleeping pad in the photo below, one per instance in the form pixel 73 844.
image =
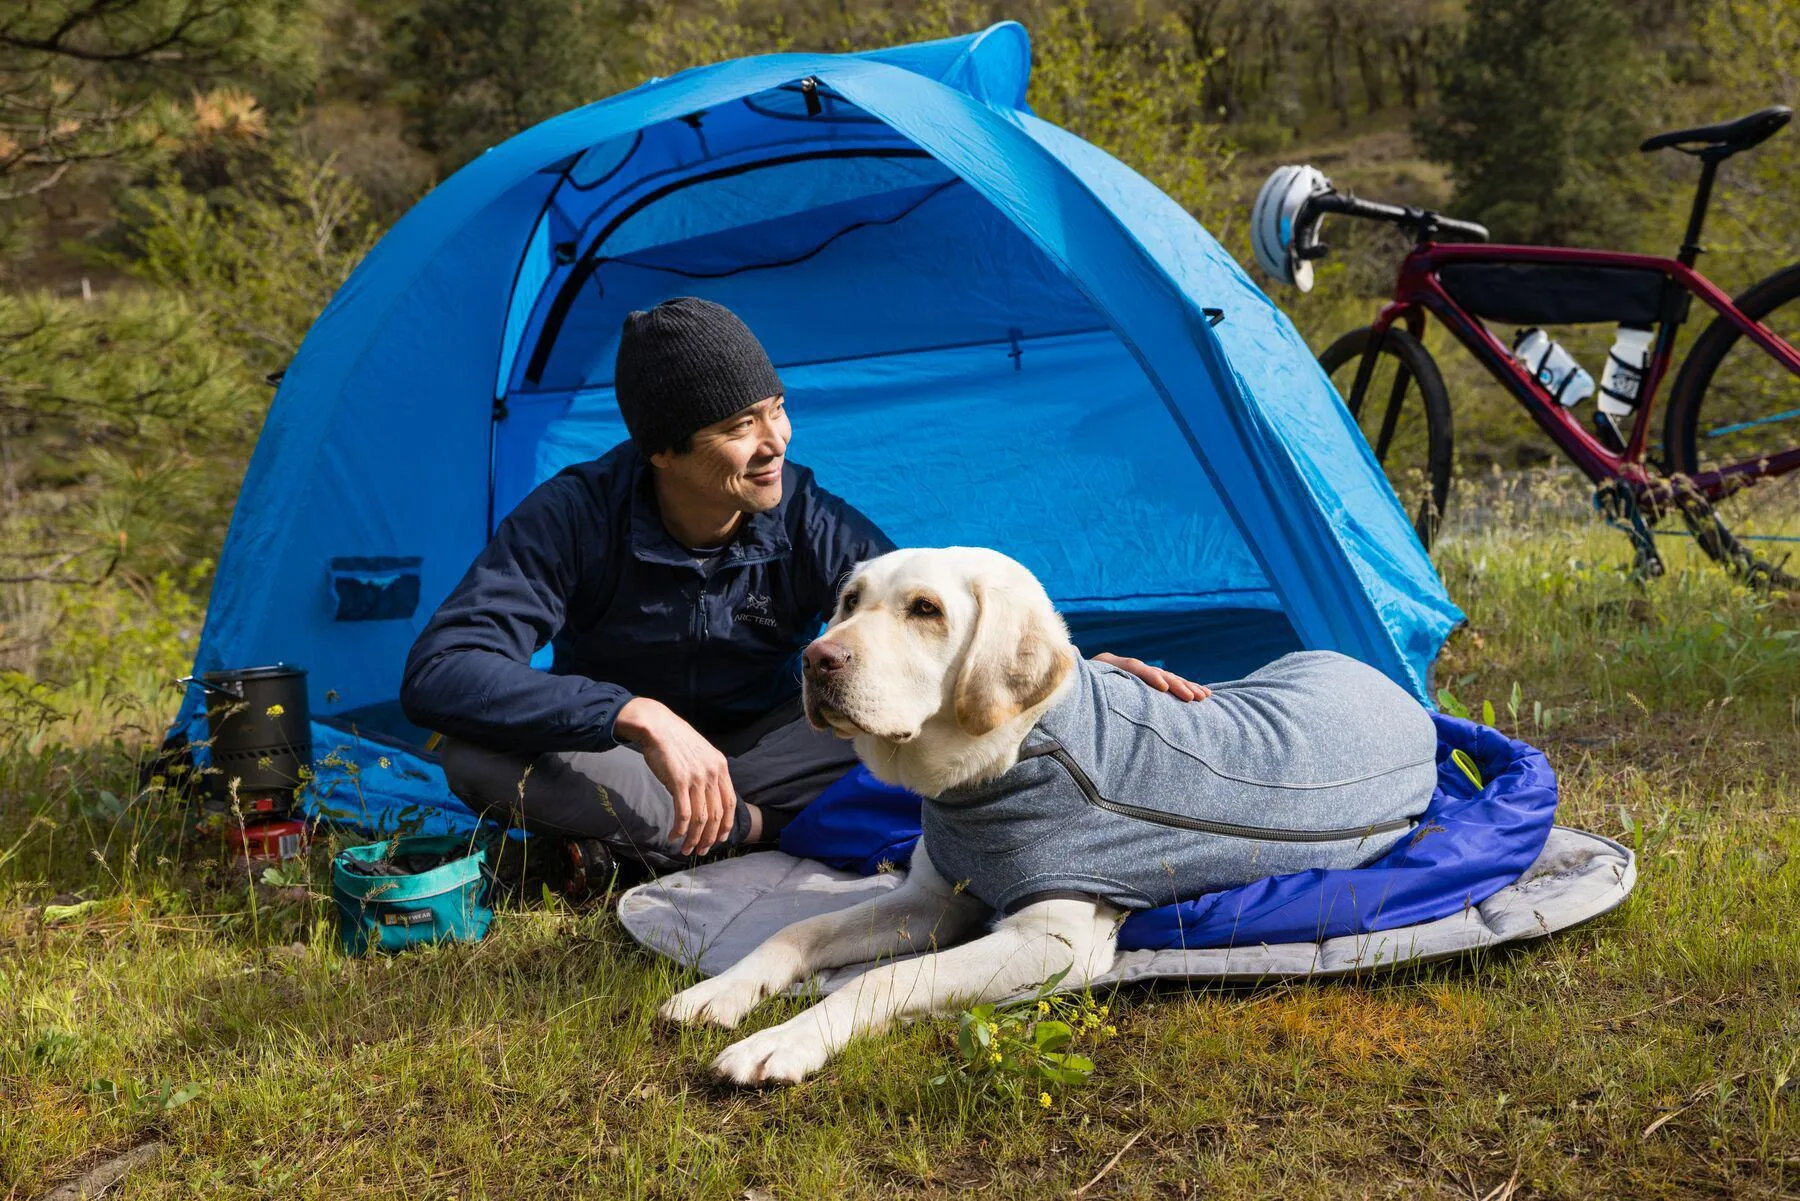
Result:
pixel 713 915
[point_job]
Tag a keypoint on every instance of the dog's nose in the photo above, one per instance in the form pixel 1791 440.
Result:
pixel 824 657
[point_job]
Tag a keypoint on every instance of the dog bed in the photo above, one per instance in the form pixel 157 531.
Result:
pixel 1486 865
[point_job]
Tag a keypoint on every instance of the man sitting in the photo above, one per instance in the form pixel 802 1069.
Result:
pixel 678 578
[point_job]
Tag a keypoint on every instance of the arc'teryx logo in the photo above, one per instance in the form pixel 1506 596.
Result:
pixel 756 609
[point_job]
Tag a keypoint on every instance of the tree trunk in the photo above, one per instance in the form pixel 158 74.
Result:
pixel 1406 71
pixel 1340 100
pixel 1370 70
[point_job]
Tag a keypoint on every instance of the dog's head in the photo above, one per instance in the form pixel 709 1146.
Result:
pixel 956 640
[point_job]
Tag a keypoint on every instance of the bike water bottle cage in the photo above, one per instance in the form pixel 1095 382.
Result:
pixel 1725 139
pixel 1284 224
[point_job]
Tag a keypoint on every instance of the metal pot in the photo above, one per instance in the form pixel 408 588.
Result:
pixel 261 735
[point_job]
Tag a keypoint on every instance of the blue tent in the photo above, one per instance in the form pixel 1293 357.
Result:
pixel 992 333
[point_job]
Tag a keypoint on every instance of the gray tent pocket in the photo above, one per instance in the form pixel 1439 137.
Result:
pixel 374 587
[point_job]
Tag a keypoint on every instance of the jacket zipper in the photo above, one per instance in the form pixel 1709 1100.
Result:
pixel 699 628
pixel 1226 829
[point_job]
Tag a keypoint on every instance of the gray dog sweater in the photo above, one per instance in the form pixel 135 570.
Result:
pixel 1127 795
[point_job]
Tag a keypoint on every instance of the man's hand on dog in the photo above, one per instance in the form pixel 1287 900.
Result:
pixel 689 766
pixel 1157 678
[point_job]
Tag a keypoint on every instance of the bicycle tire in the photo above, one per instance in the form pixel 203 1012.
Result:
pixel 1340 361
pixel 1681 429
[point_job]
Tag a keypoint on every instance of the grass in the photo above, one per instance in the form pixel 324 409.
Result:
pixel 1652 1053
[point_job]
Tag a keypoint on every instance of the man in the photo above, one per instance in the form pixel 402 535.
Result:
pixel 678 577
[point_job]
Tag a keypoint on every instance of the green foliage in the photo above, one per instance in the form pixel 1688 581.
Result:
pixel 1135 96
pixel 1754 224
pixel 147 1097
pixel 1552 604
pixel 675 37
pixel 85 83
pixel 261 258
pixel 1541 105
pixel 124 635
pixel 1733 649
pixel 136 412
pixel 471 73
pixel 1449 704
pixel 1016 1048
pixel 116 410
pixel 1128 81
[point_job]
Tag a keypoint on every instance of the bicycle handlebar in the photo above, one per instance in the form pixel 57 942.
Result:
pixel 1424 223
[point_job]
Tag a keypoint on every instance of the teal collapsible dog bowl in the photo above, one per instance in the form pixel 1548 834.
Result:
pixel 392 912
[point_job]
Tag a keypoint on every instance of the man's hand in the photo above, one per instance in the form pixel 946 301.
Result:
pixel 689 766
pixel 1157 678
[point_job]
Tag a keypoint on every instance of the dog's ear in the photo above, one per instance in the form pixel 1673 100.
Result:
pixel 1017 656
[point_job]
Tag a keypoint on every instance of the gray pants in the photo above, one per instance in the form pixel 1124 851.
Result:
pixel 778 764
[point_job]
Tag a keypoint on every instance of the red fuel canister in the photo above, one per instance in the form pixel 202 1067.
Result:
pixel 268 841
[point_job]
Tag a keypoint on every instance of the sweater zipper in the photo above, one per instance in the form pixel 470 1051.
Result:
pixel 1225 829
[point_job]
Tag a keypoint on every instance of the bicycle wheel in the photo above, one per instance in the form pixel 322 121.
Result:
pixel 1732 403
pixel 1404 415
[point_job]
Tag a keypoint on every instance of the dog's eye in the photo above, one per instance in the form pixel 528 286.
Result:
pixel 849 602
pixel 923 608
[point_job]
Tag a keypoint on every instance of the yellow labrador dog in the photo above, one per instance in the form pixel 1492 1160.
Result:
pixel 1060 793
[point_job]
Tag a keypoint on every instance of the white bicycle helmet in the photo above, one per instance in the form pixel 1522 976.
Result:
pixel 1284 224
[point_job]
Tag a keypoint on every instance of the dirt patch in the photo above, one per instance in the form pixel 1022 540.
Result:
pixel 108 1172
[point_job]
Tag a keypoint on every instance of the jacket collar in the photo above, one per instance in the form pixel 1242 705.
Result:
pixel 761 537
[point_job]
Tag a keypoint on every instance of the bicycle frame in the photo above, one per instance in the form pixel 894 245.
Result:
pixel 1418 291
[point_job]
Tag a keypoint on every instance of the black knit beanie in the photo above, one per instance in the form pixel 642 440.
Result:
pixel 682 366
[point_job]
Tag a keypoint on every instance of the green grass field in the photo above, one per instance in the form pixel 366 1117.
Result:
pixel 1655 1052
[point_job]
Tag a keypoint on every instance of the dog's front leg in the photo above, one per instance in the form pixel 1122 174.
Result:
pixel 1030 946
pixel 921 914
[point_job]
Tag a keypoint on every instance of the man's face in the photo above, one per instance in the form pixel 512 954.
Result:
pixel 736 461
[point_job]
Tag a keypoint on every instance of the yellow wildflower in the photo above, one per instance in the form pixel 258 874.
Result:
pixel 1044 1100
pixel 274 711
pixel 1111 1031
pixel 1043 1007
pixel 997 1057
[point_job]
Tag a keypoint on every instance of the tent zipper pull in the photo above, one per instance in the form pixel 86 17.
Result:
pixel 809 90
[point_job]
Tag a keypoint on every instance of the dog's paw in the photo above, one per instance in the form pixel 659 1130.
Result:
pixel 720 1001
pixel 784 1054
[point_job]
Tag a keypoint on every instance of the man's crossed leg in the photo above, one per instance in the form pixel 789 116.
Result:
pixel 778 764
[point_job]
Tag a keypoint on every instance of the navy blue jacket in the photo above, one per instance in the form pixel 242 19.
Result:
pixel 585 564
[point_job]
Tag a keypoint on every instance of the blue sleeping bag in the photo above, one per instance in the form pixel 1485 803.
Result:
pixel 1471 842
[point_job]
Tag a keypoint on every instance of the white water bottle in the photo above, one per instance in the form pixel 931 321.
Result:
pixel 1624 377
pixel 1554 367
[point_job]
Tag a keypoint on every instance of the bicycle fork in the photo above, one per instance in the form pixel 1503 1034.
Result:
pixel 1365 372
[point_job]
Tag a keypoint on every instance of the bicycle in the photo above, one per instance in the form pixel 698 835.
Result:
pixel 1722 433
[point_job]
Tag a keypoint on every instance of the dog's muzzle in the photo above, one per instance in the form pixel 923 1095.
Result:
pixel 822 706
